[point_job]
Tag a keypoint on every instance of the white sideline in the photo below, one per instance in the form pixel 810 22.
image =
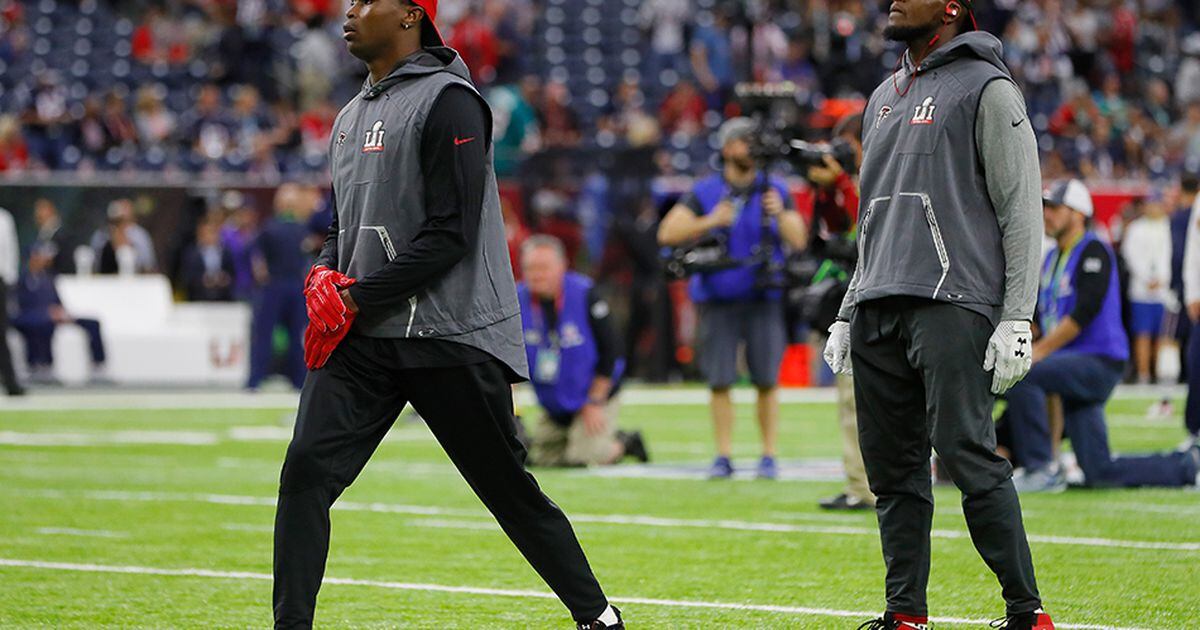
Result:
pixel 613 519
pixel 191 438
pixel 63 400
pixel 472 590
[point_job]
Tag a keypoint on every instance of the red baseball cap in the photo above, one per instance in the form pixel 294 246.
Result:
pixel 429 32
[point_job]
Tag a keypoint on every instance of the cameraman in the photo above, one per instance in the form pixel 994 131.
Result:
pixel 752 214
pixel 835 214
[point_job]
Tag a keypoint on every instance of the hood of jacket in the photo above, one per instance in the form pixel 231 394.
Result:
pixel 421 63
pixel 978 44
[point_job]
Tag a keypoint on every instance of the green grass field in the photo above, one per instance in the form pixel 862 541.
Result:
pixel 156 519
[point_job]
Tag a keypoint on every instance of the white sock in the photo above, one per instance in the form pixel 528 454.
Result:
pixel 608 617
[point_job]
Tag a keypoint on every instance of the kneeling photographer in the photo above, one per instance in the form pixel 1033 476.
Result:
pixel 742 218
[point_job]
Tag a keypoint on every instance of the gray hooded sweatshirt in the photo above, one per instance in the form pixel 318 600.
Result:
pixel 379 187
pixel 950 201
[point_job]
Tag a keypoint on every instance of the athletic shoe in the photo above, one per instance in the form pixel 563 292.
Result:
pixel 1161 409
pixel 599 625
pixel 1047 479
pixel 1072 473
pixel 1192 440
pixel 767 468
pixel 844 503
pixel 634 445
pixel 1036 620
pixel 892 621
pixel 721 468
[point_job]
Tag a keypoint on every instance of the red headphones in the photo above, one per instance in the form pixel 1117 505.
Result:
pixel 955 7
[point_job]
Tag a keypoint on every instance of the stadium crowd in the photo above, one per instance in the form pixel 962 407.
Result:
pixel 252 87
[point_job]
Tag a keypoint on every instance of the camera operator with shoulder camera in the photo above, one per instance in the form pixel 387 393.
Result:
pixel 835 216
pixel 750 217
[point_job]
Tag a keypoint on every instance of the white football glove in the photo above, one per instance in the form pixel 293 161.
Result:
pixel 837 348
pixel 1009 353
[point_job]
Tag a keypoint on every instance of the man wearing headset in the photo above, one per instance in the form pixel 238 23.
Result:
pixel 944 291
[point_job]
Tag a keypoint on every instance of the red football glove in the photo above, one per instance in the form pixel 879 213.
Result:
pixel 325 308
pixel 318 346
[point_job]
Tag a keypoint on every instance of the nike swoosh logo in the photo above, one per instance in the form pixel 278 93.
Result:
pixel 1018 123
pixel 462 141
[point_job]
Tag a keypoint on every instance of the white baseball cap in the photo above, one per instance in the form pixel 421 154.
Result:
pixel 1071 193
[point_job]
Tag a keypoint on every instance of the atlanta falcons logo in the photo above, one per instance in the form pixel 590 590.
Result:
pixel 883 113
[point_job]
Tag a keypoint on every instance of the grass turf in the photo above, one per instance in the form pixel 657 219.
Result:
pixel 116 502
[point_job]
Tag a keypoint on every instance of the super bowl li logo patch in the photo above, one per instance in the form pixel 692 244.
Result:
pixel 924 113
pixel 374 139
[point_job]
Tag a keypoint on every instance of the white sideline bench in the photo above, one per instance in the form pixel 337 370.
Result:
pixel 149 339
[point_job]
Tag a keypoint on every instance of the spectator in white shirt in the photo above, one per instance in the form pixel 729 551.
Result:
pixel 10 262
pixel 1146 249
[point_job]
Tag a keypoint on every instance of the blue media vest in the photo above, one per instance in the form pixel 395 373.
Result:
pixel 744 237
pixel 567 392
pixel 1105 335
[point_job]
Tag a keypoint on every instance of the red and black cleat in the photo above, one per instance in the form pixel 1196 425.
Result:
pixel 895 621
pixel 1036 620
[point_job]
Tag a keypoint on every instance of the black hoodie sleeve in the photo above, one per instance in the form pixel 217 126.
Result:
pixel 328 257
pixel 454 145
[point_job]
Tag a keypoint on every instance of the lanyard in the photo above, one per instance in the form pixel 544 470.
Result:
pixel 1060 268
pixel 551 334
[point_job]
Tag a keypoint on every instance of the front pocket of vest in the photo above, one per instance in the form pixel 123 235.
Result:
pixel 901 244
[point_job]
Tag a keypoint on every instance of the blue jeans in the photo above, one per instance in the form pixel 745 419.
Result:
pixel 38 331
pixel 1084 382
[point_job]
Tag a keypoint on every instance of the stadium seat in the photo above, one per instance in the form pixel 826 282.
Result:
pixel 150 339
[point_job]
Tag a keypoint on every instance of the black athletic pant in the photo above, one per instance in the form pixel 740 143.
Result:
pixel 919 382
pixel 7 375
pixel 345 410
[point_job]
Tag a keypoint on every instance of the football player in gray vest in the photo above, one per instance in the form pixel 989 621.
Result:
pixel 937 318
pixel 412 301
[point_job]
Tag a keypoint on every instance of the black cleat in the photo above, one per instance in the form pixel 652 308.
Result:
pixel 845 503
pixel 599 625
pixel 635 446
pixel 1036 620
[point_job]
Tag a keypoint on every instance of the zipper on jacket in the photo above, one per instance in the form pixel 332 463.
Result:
pixel 938 243
pixel 385 239
pixel 412 315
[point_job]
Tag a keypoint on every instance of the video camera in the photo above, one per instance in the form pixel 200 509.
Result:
pixel 779 110
pixel 709 254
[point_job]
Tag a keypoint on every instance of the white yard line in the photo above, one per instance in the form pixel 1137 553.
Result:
pixel 480 525
pixel 474 590
pixel 616 519
pixel 70 531
pixel 106 438
pixel 263 433
pixel 487 526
